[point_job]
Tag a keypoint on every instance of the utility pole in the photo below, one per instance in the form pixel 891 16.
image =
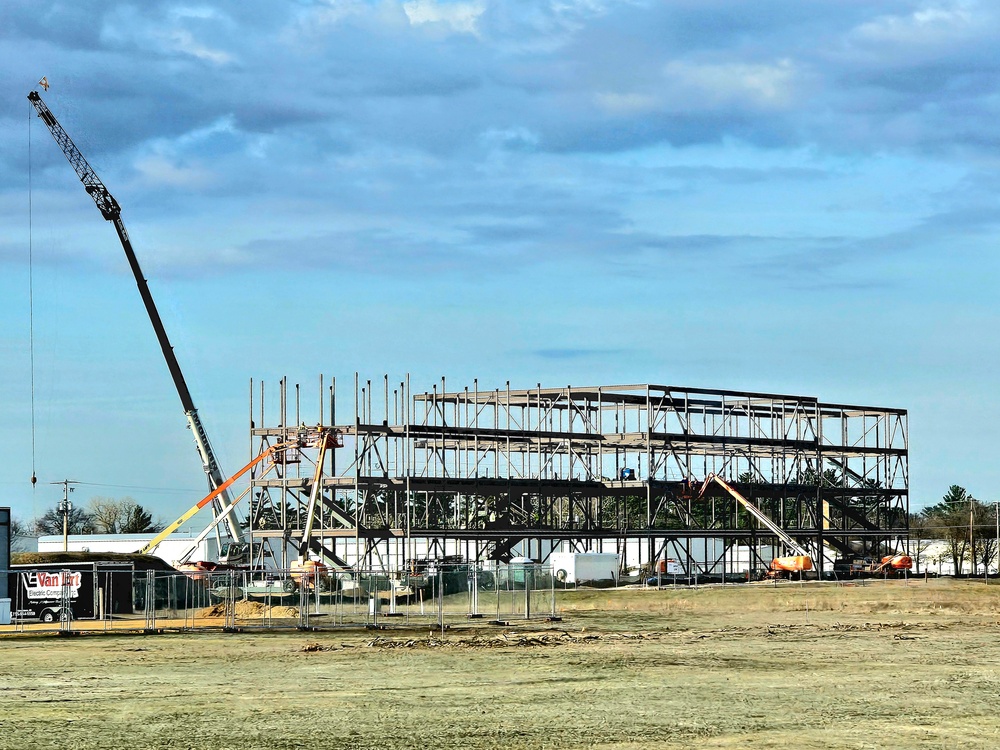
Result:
pixel 65 506
pixel 972 541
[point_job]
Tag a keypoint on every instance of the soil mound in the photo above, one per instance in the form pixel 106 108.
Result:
pixel 249 610
pixel 141 562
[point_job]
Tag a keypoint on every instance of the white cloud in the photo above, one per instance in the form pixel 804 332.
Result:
pixel 166 32
pixel 928 25
pixel 224 124
pixel 518 138
pixel 198 12
pixel 461 17
pixel 631 103
pixel 158 170
pixel 183 40
pixel 762 85
pixel 165 161
pixel 333 11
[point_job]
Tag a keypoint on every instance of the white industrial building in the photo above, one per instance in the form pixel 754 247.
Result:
pixel 935 558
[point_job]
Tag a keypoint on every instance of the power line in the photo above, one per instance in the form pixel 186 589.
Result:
pixel 138 487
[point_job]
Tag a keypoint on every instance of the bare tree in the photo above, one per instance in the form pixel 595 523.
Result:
pixel 20 532
pixel 51 522
pixel 17 527
pixel 966 524
pixel 985 542
pixel 949 520
pixel 107 514
pixel 121 516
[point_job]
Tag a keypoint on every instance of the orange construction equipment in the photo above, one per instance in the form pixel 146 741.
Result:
pixel 311 574
pixel 187 515
pixel 781 567
pixel 793 564
pixel 898 562
pixel 316 438
pixel 893 564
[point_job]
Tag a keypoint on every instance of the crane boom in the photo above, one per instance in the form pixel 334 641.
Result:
pixel 756 513
pixel 190 512
pixel 111 211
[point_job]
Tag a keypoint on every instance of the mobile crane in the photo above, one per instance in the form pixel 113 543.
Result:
pixel 111 210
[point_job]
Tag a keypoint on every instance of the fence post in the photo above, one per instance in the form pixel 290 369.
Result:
pixel 496 588
pixel 440 599
pixel 552 581
pixel 474 593
pixel 529 583
pixel 150 611
pixel 303 604
pixel 230 602
pixel 66 603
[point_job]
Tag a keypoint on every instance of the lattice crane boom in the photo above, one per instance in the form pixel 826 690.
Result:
pixel 111 211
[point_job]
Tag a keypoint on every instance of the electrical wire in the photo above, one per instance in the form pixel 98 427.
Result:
pixel 138 487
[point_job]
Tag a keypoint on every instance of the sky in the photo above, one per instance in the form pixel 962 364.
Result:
pixel 785 197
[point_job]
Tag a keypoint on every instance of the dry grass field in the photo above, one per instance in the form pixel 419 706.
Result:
pixel 887 665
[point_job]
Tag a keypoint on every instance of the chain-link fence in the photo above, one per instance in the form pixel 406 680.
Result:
pixel 437 596
pixel 108 597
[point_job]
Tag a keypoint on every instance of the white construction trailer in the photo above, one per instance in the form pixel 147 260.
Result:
pixel 580 567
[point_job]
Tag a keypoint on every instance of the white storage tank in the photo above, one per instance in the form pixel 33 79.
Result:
pixel 583 567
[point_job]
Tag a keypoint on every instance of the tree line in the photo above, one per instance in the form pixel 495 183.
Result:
pixel 965 524
pixel 102 515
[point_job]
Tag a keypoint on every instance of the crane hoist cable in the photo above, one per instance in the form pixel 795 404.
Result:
pixel 31 306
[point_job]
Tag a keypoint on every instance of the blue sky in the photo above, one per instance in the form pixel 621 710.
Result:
pixel 791 197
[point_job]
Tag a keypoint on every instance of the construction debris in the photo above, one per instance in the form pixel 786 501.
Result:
pixel 505 640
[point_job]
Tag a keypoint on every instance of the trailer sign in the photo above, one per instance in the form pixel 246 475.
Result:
pixel 43 585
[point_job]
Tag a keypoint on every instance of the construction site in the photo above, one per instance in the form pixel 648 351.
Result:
pixel 352 487
pixel 721 482
pixel 491 535
pixel 342 493
pixel 439 508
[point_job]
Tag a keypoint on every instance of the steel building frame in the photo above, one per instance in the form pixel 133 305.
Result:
pixel 618 467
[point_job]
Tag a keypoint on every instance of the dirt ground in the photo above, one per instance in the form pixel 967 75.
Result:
pixel 887 665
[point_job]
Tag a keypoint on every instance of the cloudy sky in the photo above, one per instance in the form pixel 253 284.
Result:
pixel 786 196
